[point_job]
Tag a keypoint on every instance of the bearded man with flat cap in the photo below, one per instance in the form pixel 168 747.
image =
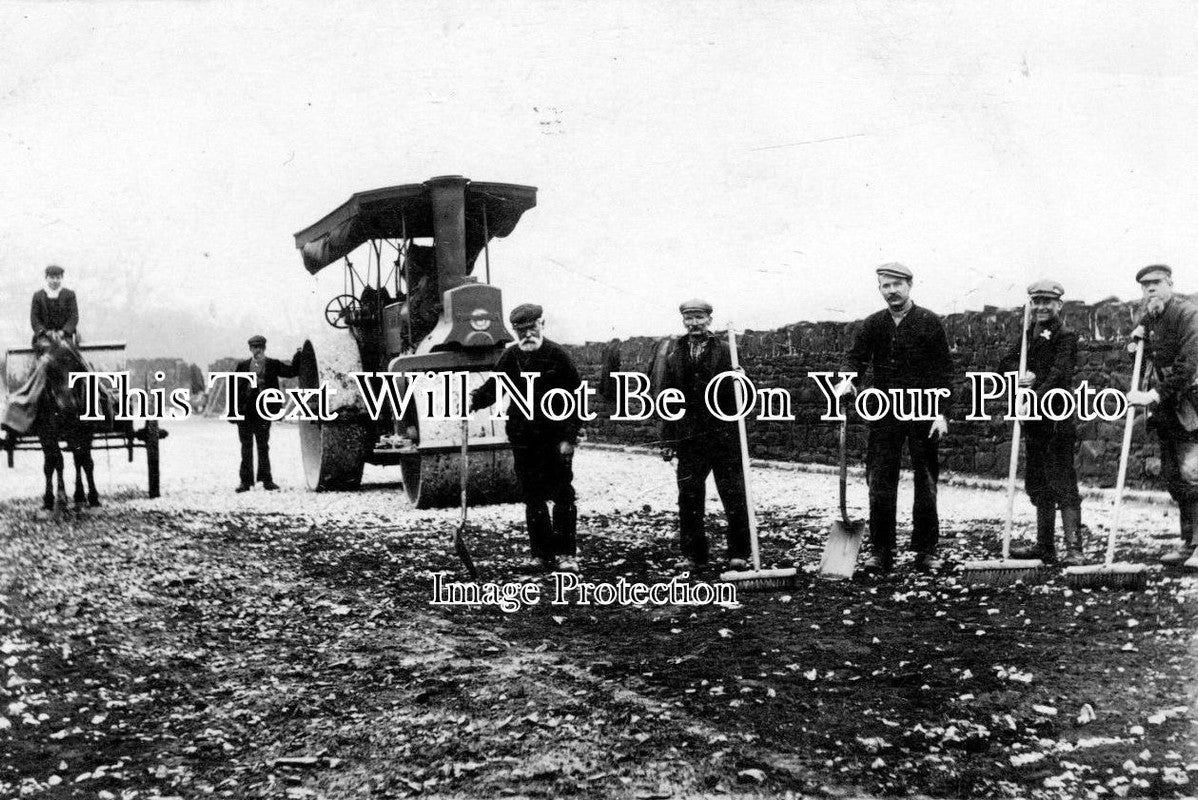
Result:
pixel 252 429
pixel 543 448
pixel 1050 476
pixel 903 346
pixel 1170 331
pixel 54 309
pixel 703 443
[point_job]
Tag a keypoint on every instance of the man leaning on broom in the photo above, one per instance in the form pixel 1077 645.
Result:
pixel 1170 332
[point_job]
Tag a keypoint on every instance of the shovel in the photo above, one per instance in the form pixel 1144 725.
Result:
pixel 844 538
pixel 459 538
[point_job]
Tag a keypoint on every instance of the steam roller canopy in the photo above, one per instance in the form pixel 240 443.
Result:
pixel 432 477
pixel 334 453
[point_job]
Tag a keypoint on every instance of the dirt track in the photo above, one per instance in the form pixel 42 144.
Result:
pixel 186 644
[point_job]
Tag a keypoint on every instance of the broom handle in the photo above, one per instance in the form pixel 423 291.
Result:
pixel 744 454
pixel 1015 431
pixel 1128 424
pixel 465 464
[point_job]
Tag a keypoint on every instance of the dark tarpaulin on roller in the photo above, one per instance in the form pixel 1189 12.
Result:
pixel 389 213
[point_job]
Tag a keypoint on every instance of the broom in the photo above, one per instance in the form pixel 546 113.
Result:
pixel 755 579
pixel 1122 575
pixel 459 538
pixel 1008 570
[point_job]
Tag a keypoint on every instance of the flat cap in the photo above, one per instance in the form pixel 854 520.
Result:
pixel 257 340
pixel 1151 268
pixel 695 304
pixel 525 313
pixel 894 270
pixel 1046 288
pixel 54 269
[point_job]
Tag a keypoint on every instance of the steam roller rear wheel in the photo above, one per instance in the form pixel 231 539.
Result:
pixel 433 480
pixel 334 453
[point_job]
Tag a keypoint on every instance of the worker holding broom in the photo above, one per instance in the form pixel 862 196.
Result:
pixel 904 346
pixel 703 443
pixel 1170 330
pixel 1050 477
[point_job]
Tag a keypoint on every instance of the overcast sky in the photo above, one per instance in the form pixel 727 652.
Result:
pixel 765 155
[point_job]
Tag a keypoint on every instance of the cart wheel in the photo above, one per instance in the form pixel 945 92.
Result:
pixel 152 456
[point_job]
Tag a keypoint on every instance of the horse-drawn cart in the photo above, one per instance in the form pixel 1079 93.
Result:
pixel 19 364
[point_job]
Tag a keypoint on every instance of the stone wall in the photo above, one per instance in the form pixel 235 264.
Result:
pixel 978 339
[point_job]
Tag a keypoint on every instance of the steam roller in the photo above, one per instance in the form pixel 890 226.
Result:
pixel 413 321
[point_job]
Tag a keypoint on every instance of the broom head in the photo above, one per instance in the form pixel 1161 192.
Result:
pixel 1120 575
pixel 761 580
pixel 1002 572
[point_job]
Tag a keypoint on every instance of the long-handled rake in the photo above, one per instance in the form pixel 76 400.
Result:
pixel 459 537
pixel 755 579
pixel 1007 570
pixel 1122 575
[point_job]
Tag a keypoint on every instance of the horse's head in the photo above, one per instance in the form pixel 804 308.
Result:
pixel 61 359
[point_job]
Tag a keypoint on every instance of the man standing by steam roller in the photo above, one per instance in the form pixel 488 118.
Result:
pixel 1049 477
pixel 703 443
pixel 543 448
pixel 904 347
pixel 1170 331
pixel 252 430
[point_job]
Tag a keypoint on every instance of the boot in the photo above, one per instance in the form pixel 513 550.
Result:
pixel 1186 511
pixel 1044 549
pixel 1075 546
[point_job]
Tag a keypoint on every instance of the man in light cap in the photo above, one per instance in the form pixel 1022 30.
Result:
pixel 1170 328
pixel 54 308
pixel 1050 477
pixel 703 443
pixel 904 347
pixel 252 429
pixel 543 448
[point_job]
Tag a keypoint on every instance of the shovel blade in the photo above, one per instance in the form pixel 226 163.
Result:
pixel 840 551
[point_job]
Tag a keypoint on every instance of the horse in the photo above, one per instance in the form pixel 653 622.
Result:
pixel 59 408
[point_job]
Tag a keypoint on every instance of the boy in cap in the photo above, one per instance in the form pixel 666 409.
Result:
pixel 54 308
pixel 253 430
pixel 1049 476
pixel 1170 325
pixel 543 448
pixel 904 347
pixel 703 443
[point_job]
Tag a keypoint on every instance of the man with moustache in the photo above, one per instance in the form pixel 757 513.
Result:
pixel 703 443
pixel 54 308
pixel 1170 328
pixel 1050 477
pixel 904 347
pixel 543 448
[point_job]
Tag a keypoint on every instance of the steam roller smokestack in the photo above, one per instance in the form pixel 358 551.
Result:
pixel 448 195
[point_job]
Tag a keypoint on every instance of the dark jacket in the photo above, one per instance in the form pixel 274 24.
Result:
pixel 49 315
pixel 1053 359
pixel 1172 345
pixel 556 371
pixel 911 355
pixel 245 397
pixel 692 377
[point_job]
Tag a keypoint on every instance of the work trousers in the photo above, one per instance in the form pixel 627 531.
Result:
pixel 883 459
pixel 546 476
pixel 254 432
pixel 1179 468
pixel 1050 476
pixel 698 457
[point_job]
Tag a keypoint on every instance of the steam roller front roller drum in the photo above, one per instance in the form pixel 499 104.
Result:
pixel 334 453
pixel 434 480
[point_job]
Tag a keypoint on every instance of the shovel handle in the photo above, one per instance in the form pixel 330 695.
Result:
pixel 465 466
pixel 844 471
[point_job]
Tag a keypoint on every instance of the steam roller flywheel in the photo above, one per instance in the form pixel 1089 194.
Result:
pixel 334 453
pixel 433 480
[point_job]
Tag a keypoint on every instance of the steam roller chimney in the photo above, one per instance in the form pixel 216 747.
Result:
pixel 448 196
